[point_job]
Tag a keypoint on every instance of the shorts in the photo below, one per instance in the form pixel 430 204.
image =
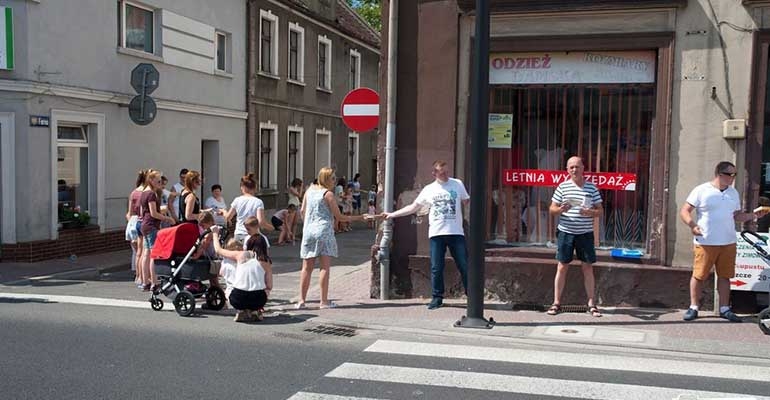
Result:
pixel 243 300
pixel 139 227
pixel 706 257
pixel 149 239
pixel 276 222
pixel 131 232
pixel 356 202
pixel 568 244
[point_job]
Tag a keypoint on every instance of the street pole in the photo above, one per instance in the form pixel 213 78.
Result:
pixel 479 123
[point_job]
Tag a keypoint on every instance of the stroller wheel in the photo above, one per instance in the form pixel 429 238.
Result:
pixel 184 302
pixel 215 298
pixel 157 304
pixel 764 321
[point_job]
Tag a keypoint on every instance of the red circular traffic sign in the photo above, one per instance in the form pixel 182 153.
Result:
pixel 361 109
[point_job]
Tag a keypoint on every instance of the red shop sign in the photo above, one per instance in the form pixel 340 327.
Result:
pixel 540 177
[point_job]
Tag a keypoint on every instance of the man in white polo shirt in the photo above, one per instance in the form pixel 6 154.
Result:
pixel 576 202
pixel 718 208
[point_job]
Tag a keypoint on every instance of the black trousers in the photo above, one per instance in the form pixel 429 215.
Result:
pixel 243 300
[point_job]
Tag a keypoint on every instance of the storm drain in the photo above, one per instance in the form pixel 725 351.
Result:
pixel 332 330
pixel 565 308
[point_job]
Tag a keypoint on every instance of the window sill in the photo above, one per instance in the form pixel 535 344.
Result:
pixel 223 74
pixel 325 90
pixel 268 192
pixel 139 54
pixel 298 83
pixel 269 75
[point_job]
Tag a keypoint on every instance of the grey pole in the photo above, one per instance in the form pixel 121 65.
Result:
pixel 479 123
pixel 390 151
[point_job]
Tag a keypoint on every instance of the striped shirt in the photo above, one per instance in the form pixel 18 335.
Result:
pixel 571 221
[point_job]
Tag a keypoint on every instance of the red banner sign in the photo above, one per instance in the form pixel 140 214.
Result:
pixel 539 177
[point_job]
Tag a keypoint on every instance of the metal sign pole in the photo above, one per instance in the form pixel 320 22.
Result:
pixel 480 124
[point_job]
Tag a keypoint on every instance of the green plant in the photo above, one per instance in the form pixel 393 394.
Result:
pixel 73 216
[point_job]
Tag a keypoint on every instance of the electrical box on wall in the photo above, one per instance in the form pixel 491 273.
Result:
pixel 734 129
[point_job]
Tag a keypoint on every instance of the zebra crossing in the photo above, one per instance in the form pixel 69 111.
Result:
pixel 400 369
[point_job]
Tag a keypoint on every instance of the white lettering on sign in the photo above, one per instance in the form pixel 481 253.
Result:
pixel 573 67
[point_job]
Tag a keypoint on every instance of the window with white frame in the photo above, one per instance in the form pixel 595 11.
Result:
pixel 268 42
pixel 294 157
pixel 352 154
pixel 72 169
pixel 268 157
pixel 355 69
pixel 136 27
pixel 224 49
pixel 324 63
pixel 296 52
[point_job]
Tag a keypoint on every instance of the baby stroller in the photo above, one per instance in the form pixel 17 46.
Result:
pixel 181 278
pixel 760 246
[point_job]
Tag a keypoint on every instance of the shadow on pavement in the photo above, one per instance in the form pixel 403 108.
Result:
pixel 45 283
pixel 14 300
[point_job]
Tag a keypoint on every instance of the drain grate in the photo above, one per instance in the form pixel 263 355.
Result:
pixel 565 308
pixel 332 330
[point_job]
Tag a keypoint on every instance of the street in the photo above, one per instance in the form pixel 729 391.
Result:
pixel 68 351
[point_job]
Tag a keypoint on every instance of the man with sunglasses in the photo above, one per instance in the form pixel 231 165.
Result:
pixel 718 208
pixel 444 197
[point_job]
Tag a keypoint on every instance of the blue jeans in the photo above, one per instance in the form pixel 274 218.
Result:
pixel 438 246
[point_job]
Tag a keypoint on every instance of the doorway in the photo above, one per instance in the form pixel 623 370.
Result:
pixel 323 149
pixel 209 165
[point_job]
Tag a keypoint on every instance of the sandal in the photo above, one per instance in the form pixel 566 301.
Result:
pixel 330 304
pixel 555 309
pixel 594 311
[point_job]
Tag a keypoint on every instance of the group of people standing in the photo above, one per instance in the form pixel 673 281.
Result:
pixel 246 267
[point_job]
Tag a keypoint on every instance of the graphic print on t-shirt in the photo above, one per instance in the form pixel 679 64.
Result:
pixel 444 205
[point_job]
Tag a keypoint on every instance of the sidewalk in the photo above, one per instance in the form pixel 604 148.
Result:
pixel 646 329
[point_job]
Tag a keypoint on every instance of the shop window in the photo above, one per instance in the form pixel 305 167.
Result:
pixel 610 126
pixel 136 25
pixel 72 172
pixel 294 157
pixel 268 157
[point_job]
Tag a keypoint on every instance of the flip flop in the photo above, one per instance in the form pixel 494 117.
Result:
pixel 300 306
pixel 555 309
pixel 330 304
pixel 594 311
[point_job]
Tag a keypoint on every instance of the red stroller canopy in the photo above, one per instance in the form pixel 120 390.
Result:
pixel 174 241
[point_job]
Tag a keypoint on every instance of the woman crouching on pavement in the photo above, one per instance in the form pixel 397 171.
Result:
pixel 253 278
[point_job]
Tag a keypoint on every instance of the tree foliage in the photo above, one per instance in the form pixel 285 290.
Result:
pixel 369 10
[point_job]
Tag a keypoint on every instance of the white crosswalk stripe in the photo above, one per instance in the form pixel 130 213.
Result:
pixel 372 374
pixel 599 361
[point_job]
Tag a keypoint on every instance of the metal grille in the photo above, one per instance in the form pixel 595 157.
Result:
pixel 332 330
pixel 565 308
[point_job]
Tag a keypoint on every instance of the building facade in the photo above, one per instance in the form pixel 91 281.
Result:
pixel 651 93
pixel 304 57
pixel 68 143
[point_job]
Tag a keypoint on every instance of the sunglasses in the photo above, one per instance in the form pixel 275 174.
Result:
pixel 730 174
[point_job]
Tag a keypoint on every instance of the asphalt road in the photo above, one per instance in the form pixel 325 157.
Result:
pixel 70 351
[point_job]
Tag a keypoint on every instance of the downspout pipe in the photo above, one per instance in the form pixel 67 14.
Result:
pixel 390 151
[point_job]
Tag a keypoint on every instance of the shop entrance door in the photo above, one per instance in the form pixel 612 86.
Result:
pixel 610 126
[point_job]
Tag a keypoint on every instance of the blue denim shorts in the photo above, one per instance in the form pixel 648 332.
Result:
pixel 568 244
pixel 149 239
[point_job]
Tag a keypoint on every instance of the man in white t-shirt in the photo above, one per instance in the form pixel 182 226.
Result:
pixel 445 198
pixel 177 190
pixel 718 208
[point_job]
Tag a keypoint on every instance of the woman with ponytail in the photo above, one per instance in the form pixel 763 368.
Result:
pixel 132 227
pixel 247 205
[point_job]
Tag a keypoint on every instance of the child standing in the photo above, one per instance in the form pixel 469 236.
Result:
pixel 371 211
pixel 347 206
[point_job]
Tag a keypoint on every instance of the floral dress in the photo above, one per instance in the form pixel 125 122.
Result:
pixel 318 229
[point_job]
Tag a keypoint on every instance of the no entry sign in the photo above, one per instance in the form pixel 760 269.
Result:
pixel 361 109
